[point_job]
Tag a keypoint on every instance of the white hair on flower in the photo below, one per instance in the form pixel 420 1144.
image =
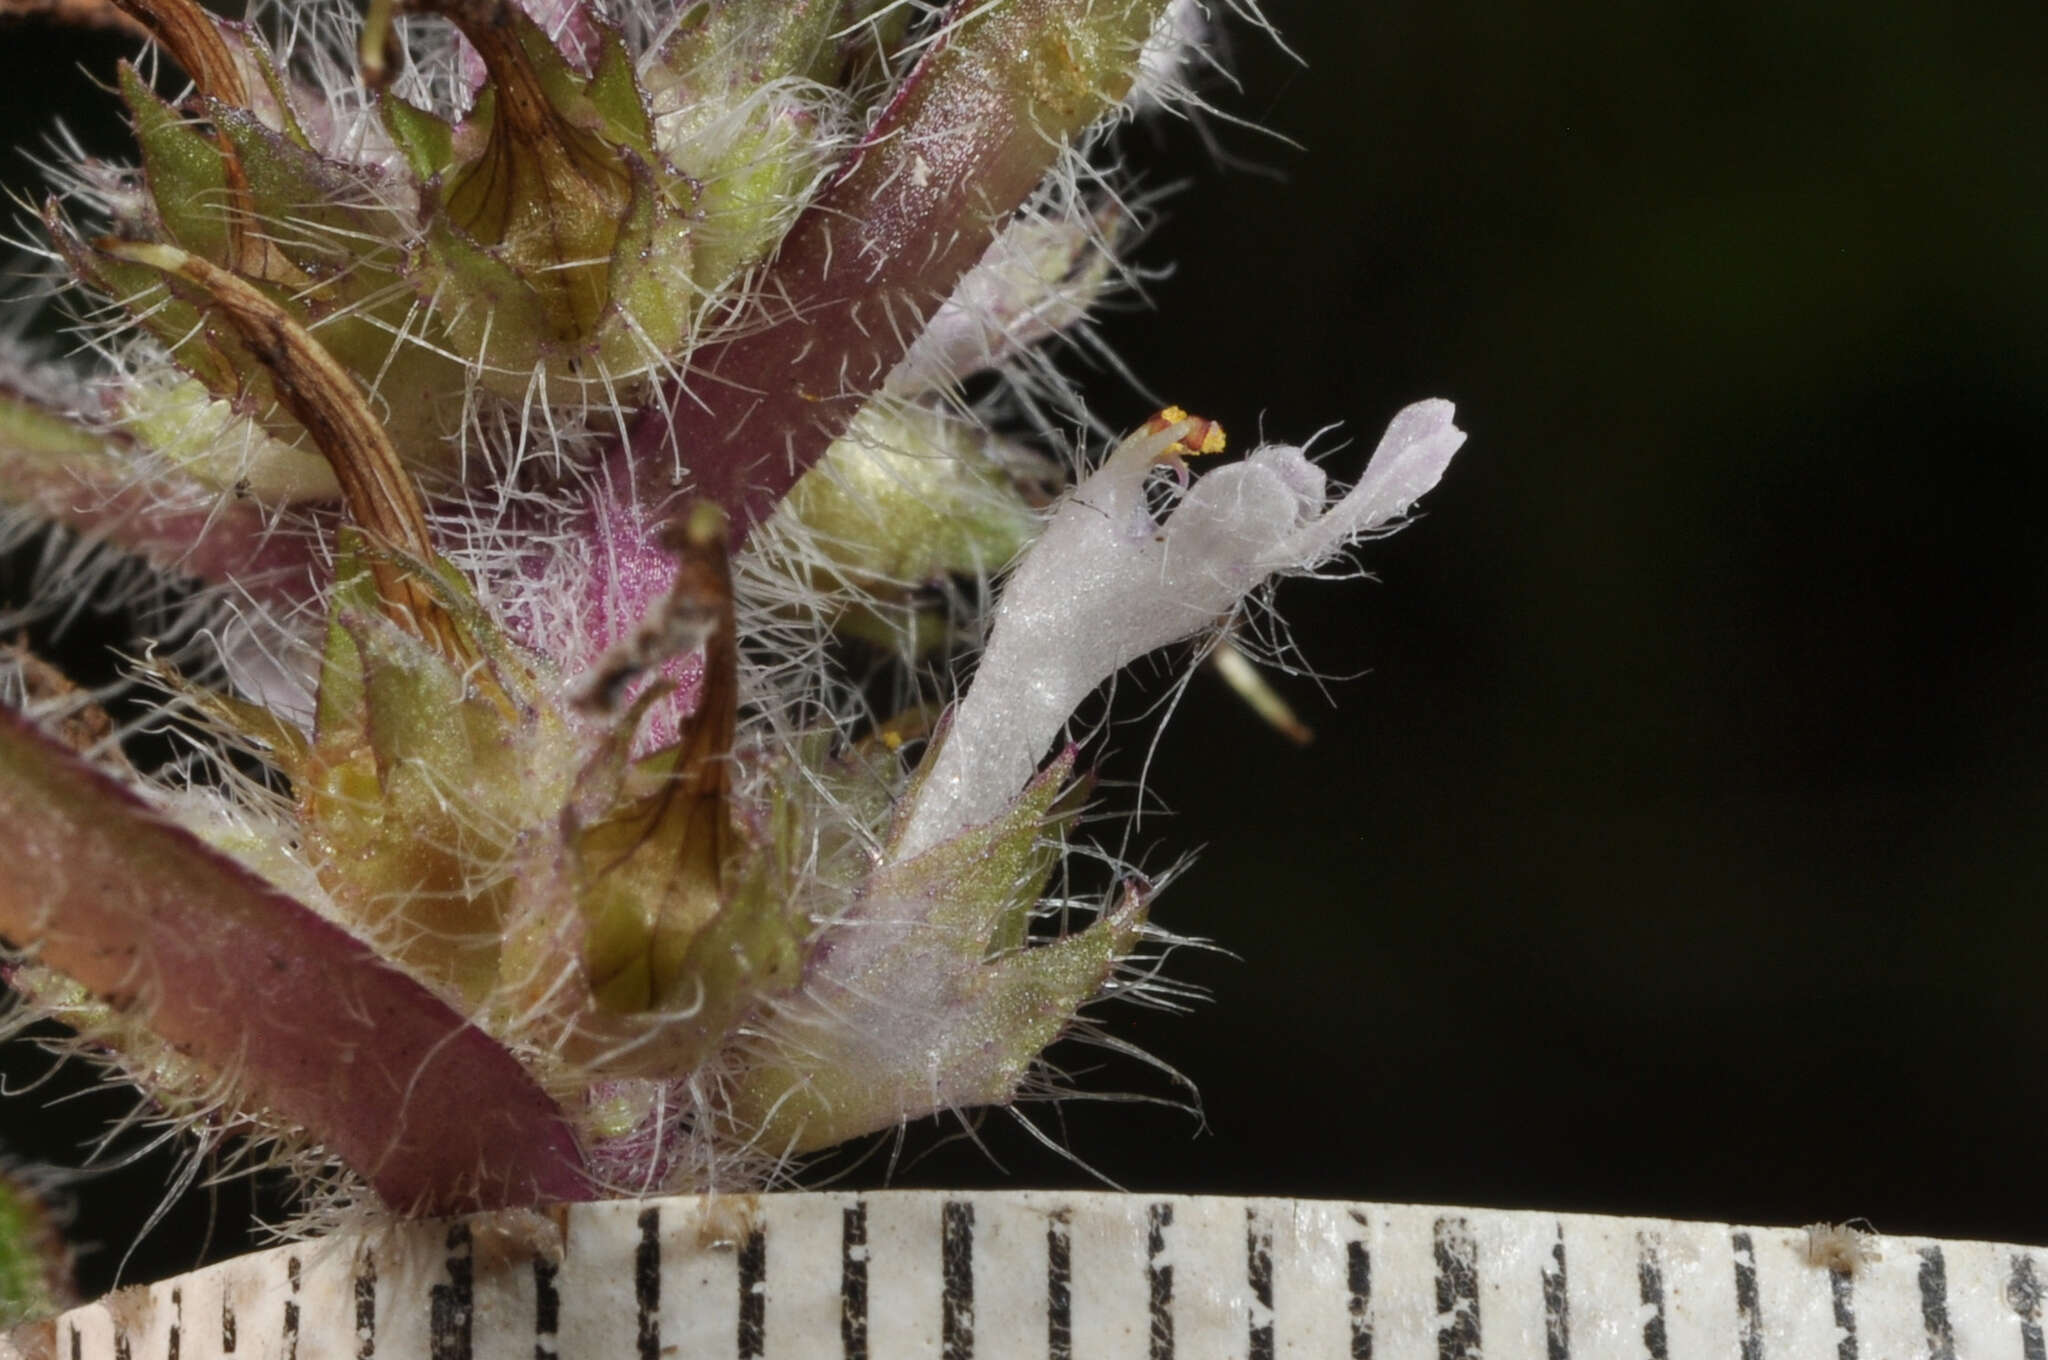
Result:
pixel 1105 584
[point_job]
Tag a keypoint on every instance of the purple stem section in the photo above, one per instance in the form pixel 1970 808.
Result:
pixel 968 136
pixel 313 1027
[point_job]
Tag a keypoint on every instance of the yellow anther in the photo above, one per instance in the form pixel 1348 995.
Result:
pixel 1206 436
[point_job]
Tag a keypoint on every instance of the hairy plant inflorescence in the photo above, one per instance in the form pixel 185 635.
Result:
pixel 545 423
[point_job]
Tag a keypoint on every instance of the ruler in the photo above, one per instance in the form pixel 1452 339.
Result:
pixel 1054 1276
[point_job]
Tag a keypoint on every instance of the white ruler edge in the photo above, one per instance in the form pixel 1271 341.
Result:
pixel 1055 1276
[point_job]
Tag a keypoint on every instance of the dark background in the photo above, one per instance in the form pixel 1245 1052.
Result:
pixel 1675 845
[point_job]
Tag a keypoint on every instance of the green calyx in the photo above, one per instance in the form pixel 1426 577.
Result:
pixel 425 770
pixel 612 915
pixel 620 915
pixel 909 497
pixel 670 900
pixel 738 94
pixel 946 1002
pixel 550 225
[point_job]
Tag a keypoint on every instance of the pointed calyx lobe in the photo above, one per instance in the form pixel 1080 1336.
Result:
pixel 972 132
